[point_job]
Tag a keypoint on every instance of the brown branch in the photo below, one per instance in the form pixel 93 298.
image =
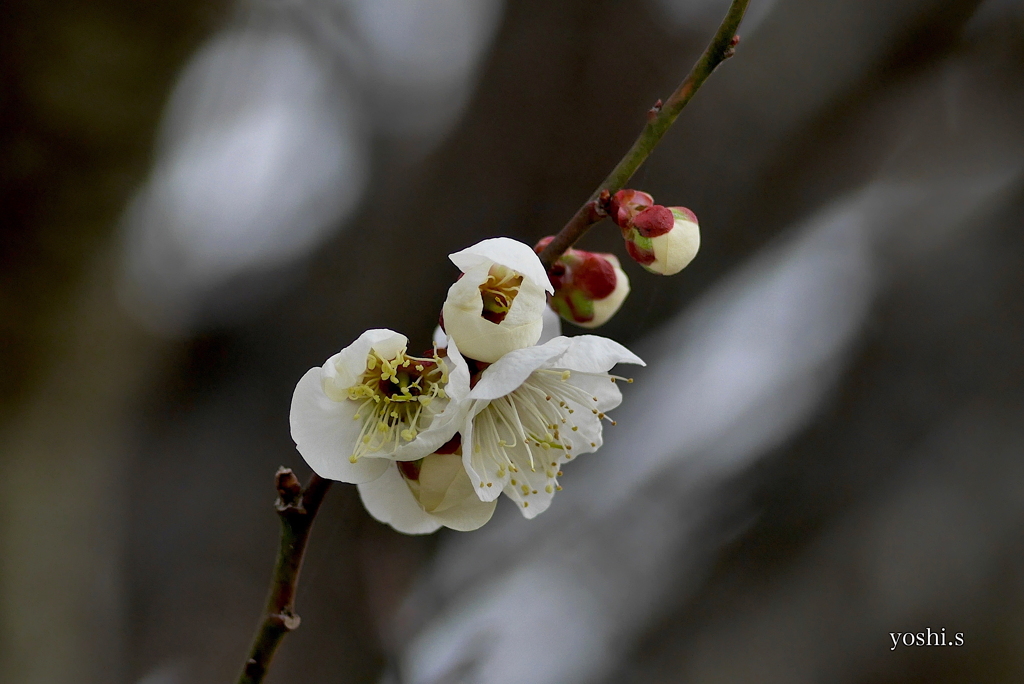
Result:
pixel 659 120
pixel 297 509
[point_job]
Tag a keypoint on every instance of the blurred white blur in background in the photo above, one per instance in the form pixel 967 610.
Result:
pixel 265 146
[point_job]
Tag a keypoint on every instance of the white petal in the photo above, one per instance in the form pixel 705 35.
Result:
pixel 441 429
pixel 607 392
pixel 507 252
pixel 440 338
pixel 481 465
pixel 444 488
pixel 593 354
pixel 325 433
pixel 389 500
pixel 674 250
pixel 344 369
pixel 457 388
pixel 512 369
pixel 605 308
pixel 536 481
pixel 446 492
pixel 552 326
pixel 481 339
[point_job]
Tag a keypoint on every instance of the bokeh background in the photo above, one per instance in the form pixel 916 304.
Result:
pixel 202 200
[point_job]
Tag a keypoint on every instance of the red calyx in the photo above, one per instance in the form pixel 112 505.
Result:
pixel 410 469
pixel 654 221
pixel 641 256
pixel 626 204
pixel 595 276
pixel 451 446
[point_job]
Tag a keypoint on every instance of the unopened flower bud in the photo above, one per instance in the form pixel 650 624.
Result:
pixel 589 287
pixel 625 205
pixel 659 247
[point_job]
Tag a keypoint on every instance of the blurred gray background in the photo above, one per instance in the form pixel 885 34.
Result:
pixel 202 200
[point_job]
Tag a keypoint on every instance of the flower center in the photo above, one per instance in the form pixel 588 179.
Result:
pixel 498 292
pixel 395 396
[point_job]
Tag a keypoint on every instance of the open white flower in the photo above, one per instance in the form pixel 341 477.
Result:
pixel 497 305
pixel 372 404
pixel 418 497
pixel 534 409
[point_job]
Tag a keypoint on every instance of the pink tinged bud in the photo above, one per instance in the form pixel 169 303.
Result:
pixel 626 204
pixel 674 250
pixel 641 249
pixel 654 221
pixel 589 287
pixel 595 275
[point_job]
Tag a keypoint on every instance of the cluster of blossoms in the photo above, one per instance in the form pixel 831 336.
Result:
pixel 498 405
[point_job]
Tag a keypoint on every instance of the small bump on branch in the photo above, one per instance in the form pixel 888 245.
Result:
pixel 297 509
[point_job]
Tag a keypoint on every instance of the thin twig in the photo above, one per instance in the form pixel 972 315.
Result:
pixel 659 120
pixel 297 509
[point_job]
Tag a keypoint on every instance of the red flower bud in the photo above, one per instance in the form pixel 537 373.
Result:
pixel 589 287
pixel 654 221
pixel 663 251
pixel 626 204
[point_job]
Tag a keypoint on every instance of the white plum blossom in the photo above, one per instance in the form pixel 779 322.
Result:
pixel 418 497
pixel 498 303
pixel 533 410
pixel 373 404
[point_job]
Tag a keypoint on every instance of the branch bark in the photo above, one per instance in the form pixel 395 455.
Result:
pixel 659 120
pixel 297 508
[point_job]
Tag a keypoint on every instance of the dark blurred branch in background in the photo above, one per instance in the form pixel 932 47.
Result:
pixel 298 509
pixel 659 120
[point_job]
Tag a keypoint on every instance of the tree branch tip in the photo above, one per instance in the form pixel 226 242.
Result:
pixel 289 489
